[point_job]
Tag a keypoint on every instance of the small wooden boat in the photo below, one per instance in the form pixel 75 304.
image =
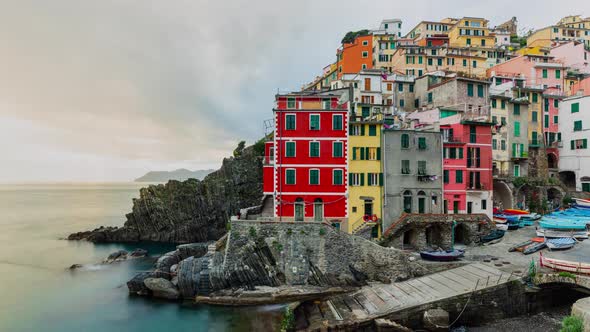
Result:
pixel 538 239
pixel 561 243
pixel 562 224
pixel 533 247
pixel 582 202
pixel 548 233
pixel 442 256
pixel 493 235
pixel 515 212
pixel 500 220
pixel 563 265
pixel 520 246
pixel 502 227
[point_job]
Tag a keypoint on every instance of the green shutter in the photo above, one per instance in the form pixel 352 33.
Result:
pixel 444 153
pixel 367 153
pixel 517 129
pixel 514 149
pixel 350 130
pixel 585 143
pixel 362 153
pixel 354 153
pixel 460 153
pixel 369 179
pixel 572 145
pixel 362 175
pixel 522 150
pixel 458 176
pixel 378 153
pixel 480 90
pixel 575 107
pixel 381 179
pixel 362 130
pixel 350 179
pixel 546 118
pixel 470 90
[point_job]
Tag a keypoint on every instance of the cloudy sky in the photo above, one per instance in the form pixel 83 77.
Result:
pixel 107 90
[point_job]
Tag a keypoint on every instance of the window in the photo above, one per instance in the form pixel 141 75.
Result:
pixel 452 153
pixel 474 64
pixel 458 176
pixel 535 97
pixel 555 103
pixel 314 122
pixel 557 73
pixel 555 119
pixel 357 130
pixel 405 141
pixel 484 204
pixel 365 111
pixel 337 176
pixel 422 143
pixel 503 104
pixel 290 102
pixel 545 73
pixel 472 134
pixel 400 87
pixel 430 97
pixel 365 54
pixel 578 125
pixel 375 179
pixel 314 176
pixel 290 176
pixel 586 187
pixel 430 61
pixel 337 122
pixel 480 90
pixel 367 84
pixel 534 116
pixel 290 122
pixel 365 42
pixel 470 89
pixel 494 103
pixel 422 167
pixel 516 109
pixel 314 149
pixel 411 87
pixel 326 104
pixel 503 120
pixel 464 62
pixel 503 145
pixel 439 61
pixel 494 144
pixel 405 167
pixel 402 103
pixel 516 129
pixel 389 87
pixel 289 149
pixel 373 153
pixel 516 170
pixel 337 149
pixel 407 201
pixel 575 107
pixel 446 176
pixel 356 179
pixel 468 41
pixel 372 130
pixel 546 118
pixel 420 60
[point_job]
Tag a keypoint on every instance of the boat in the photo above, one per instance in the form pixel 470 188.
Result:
pixel 563 265
pixel 549 233
pixel 442 256
pixel 493 235
pixel 512 226
pixel 562 224
pixel 582 202
pixel 502 227
pixel 500 220
pixel 529 219
pixel 560 243
pixel 520 246
pixel 533 247
pixel 515 212
pixel 538 239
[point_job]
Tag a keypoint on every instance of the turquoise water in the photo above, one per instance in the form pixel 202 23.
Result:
pixel 39 293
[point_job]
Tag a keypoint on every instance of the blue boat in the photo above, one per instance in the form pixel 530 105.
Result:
pixel 560 243
pixel 562 224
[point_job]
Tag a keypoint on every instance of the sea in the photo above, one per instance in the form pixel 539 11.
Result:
pixel 39 293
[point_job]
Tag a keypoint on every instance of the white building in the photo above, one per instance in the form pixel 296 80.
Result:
pixel 574 154
pixel 389 27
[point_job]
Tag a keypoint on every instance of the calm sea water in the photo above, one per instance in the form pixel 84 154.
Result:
pixel 39 293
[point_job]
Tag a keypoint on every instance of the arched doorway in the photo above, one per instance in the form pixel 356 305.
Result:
pixel 555 198
pixel 522 194
pixel 421 202
pixel 460 234
pixel 407 201
pixel 552 161
pixel 433 236
pixel 299 209
pixel 409 239
pixel 318 209
pixel 568 178
pixel 502 195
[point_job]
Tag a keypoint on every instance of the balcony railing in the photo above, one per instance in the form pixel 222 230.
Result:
pixel 452 139
pixel 521 155
pixel 476 186
pixel 535 143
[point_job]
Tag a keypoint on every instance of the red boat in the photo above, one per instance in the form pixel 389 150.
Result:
pixel 515 212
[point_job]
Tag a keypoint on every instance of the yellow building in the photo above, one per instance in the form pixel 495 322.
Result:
pixel 471 31
pixel 568 28
pixel 533 50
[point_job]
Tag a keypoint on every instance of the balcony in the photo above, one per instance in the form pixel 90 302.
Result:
pixel 476 186
pixel 453 140
pixel 535 143
pixel 518 156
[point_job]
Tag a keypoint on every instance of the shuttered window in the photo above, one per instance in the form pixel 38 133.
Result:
pixel 337 177
pixel 337 148
pixel 337 122
pixel 314 176
pixel 290 122
pixel 405 141
pixel 314 149
pixel 290 149
pixel 290 176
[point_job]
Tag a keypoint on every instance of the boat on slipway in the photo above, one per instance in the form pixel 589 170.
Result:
pixel 584 203
pixel 563 265
pixel 561 243
pixel 562 224
pixel 550 233
pixel 442 255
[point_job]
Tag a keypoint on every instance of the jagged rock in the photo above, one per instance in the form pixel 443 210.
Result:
pixel 174 281
pixel 192 249
pixel 173 268
pixel 189 211
pixel 162 288
pixel 165 262
pixel 138 253
pixel 117 256
pixel 136 285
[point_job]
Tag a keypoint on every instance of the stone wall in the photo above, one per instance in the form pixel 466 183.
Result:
pixel 431 231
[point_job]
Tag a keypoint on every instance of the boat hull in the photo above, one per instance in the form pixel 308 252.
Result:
pixel 563 265
pixel 442 256
pixel 556 234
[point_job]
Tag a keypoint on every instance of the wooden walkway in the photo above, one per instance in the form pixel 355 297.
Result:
pixel 377 299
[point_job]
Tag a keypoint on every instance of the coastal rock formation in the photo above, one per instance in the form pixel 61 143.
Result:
pixel 189 211
pixel 162 288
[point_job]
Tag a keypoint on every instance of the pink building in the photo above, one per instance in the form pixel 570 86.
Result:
pixel 581 87
pixel 572 55
pixel 536 70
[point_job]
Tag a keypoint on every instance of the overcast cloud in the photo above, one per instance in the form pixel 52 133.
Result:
pixel 107 90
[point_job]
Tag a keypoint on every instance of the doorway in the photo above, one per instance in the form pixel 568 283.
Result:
pixel 318 209
pixel 469 207
pixel 299 209
pixel 456 207
pixel 368 207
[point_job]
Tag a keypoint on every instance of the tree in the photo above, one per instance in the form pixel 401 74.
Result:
pixel 239 149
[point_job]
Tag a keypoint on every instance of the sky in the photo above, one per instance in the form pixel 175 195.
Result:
pixel 107 90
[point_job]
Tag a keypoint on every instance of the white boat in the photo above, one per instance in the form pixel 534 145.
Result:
pixel 561 243
pixel 502 227
pixel 561 265
pixel 549 233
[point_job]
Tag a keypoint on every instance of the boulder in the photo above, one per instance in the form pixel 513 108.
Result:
pixel 192 249
pixel 581 308
pixel 75 266
pixel 164 263
pixel 436 320
pixel 162 288
pixel 117 256
pixel 136 285
pixel 138 253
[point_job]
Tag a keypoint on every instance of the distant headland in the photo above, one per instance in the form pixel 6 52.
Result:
pixel 181 174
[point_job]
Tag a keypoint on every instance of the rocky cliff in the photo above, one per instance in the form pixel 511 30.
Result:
pixel 190 211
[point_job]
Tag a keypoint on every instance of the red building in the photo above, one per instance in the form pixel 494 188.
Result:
pixel 551 102
pixel 467 166
pixel 305 164
pixel 355 56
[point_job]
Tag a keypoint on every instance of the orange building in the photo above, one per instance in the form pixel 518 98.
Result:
pixel 356 56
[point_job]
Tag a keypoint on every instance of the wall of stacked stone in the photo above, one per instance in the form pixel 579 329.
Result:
pixel 300 249
pixel 440 227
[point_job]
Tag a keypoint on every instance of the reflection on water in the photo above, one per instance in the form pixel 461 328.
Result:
pixel 39 293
